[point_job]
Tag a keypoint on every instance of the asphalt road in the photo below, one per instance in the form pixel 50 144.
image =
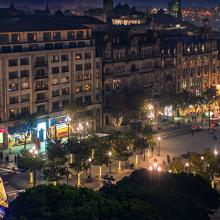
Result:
pixel 181 141
pixel 11 191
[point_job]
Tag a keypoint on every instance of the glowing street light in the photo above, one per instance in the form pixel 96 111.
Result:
pixel 150 168
pixel 159 169
pixel 110 162
pixel 215 152
pixel 34 152
pixel 202 158
pixel 187 167
pixel 90 168
pixel 186 164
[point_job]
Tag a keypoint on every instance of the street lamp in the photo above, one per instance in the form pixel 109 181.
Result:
pixel 110 162
pixel 187 167
pixel 79 130
pixel 215 152
pixel 150 168
pixel 202 158
pixel 159 139
pixel 68 120
pixel 159 169
pixel 90 168
pixel 34 152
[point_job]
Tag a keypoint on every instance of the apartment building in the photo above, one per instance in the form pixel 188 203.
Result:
pixel 131 61
pixel 45 65
pixel 196 65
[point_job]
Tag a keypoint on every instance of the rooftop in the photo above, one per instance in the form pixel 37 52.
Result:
pixel 47 23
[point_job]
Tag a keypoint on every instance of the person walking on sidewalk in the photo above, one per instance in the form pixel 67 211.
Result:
pixel 1 156
pixel 6 159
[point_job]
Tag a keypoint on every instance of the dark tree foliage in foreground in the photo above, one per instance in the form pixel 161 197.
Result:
pixel 141 196
pixel 68 203
pixel 171 196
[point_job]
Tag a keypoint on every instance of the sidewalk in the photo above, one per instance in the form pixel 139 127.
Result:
pixel 20 180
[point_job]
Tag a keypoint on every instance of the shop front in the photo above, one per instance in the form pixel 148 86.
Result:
pixel 3 138
pixel 19 135
pixel 59 127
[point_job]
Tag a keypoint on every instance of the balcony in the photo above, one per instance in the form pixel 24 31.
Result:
pixel 41 100
pixel 41 88
pixel 41 64
pixel 41 76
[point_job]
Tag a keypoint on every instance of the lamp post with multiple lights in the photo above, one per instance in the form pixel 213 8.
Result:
pixel 34 152
pixel 68 120
pixel 110 162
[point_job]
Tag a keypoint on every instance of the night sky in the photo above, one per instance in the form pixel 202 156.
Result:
pixel 74 3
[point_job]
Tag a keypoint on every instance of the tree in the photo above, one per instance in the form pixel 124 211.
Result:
pixel 150 144
pixel 206 165
pixel 120 150
pixel 138 146
pixel 101 155
pixel 55 166
pixel 177 165
pixel 29 162
pixel 208 98
pixel 62 202
pixel 73 111
pixel 171 196
pixel 81 152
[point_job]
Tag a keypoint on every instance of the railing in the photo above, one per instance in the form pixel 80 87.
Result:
pixel 41 76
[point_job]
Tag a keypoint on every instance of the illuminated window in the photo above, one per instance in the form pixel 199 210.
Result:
pixel 57 36
pixel 25 85
pixel 116 83
pixel 78 89
pixel 78 56
pixel 87 87
pixel 55 59
pixel 32 37
pixel 13 87
pixel 55 81
pixel 70 35
pixel 87 76
pixel 65 79
pixel 15 38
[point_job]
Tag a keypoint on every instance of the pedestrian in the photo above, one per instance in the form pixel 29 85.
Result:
pixel 192 132
pixel 6 158
pixel 1 156
pixel 15 158
pixel 168 158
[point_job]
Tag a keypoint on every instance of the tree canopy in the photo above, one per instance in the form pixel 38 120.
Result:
pixel 142 195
